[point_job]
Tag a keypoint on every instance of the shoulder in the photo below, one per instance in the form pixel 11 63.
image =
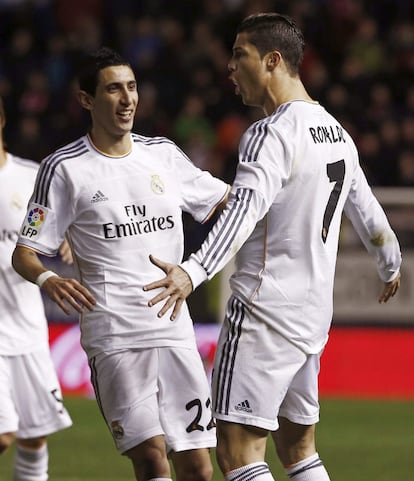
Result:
pixel 164 147
pixel 142 140
pixel 23 163
pixel 70 151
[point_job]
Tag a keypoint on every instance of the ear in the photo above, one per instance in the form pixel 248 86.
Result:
pixel 273 60
pixel 85 99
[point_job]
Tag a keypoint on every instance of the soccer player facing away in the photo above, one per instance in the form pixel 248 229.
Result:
pixel 31 406
pixel 120 196
pixel 298 171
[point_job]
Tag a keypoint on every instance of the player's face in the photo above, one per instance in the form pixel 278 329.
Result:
pixel 115 101
pixel 248 71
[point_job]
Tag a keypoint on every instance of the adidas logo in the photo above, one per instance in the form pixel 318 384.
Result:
pixel 99 197
pixel 243 406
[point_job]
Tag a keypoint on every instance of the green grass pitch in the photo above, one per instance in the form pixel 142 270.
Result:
pixel 358 440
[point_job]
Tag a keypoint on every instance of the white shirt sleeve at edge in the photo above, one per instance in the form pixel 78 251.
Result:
pixel 370 222
pixel 218 236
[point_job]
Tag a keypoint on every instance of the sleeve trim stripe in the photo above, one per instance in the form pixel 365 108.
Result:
pixel 48 168
pixel 228 231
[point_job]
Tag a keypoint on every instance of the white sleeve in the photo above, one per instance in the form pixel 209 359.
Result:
pixel 49 214
pixel 372 226
pixel 244 209
pixel 200 191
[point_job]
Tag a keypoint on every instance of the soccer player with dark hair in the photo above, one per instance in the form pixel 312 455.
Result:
pixel 298 171
pixel 120 196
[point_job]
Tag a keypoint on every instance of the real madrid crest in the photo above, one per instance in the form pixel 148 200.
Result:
pixel 157 184
pixel 117 429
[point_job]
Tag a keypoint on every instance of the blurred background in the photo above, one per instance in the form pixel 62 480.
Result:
pixel 359 64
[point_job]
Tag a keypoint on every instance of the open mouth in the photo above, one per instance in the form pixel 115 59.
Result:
pixel 236 86
pixel 125 115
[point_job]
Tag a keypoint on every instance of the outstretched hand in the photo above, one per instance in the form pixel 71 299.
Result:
pixel 177 287
pixel 389 290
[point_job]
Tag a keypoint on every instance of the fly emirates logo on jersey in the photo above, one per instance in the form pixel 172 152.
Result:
pixel 139 223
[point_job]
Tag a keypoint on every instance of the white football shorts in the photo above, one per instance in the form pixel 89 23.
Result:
pixel 30 397
pixel 159 391
pixel 259 375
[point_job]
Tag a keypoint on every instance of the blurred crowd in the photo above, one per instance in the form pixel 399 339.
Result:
pixel 359 64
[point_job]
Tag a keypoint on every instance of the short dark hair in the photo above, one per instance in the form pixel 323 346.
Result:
pixel 91 64
pixel 273 31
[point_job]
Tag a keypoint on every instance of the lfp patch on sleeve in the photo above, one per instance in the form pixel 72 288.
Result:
pixel 33 223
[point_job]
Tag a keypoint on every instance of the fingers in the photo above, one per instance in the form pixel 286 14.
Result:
pixel 390 289
pixel 176 287
pixel 156 285
pixel 69 293
pixel 159 263
pixel 66 252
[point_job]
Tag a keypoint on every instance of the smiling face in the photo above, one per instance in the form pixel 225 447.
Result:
pixel 249 72
pixel 113 106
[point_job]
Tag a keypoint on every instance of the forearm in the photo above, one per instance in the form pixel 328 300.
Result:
pixel 227 236
pixel 65 292
pixel 26 262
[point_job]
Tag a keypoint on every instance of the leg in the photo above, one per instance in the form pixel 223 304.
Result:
pixel 185 413
pixel 31 459
pixel 241 451
pixel 6 440
pixel 149 459
pixel 295 446
pixel 192 465
pixel 294 442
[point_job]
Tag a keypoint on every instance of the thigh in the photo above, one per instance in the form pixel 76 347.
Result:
pixel 126 389
pixel 301 404
pixel 185 400
pixel 9 419
pixel 37 396
pixel 253 369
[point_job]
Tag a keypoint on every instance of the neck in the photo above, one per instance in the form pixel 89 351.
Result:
pixel 116 147
pixel 289 91
pixel 3 155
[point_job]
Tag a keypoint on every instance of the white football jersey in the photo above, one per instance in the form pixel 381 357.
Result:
pixel 23 325
pixel 117 211
pixel 298 170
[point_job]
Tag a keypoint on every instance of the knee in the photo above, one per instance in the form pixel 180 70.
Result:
pixel 6 439
pixel 34 443
pixel 196 472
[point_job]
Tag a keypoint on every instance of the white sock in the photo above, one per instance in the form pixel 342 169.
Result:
pixel 31 464
pixel 250 472
pixel 160 479
pixel 309 469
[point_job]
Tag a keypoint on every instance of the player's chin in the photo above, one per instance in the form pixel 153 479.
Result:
pixel 125 128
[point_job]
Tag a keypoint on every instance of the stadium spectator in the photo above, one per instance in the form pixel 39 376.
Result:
pixel 120 195
pixel 178 47
pixel 31 406
pixel 298 171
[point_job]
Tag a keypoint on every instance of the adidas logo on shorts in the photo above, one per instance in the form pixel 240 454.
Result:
pixel 243 406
